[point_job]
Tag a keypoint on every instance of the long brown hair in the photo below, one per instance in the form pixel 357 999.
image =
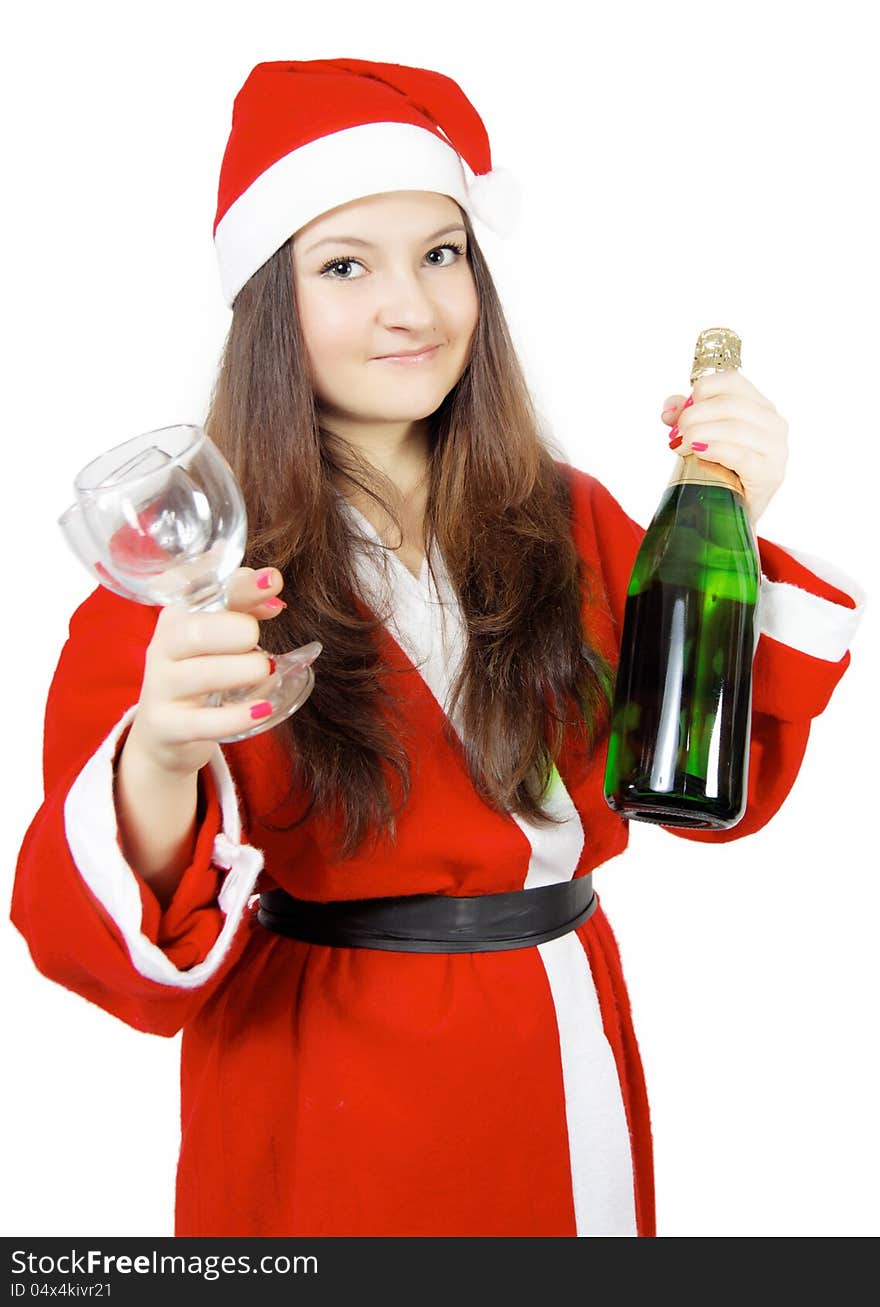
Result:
pixel 500 509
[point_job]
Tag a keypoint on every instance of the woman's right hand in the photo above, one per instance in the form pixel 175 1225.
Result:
pixel 192 655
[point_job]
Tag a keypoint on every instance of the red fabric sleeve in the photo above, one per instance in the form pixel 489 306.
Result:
pixel 73 938
pixel 789 687
pixel 190 923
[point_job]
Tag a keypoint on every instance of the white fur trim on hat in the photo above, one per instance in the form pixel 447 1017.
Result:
pixel 332 170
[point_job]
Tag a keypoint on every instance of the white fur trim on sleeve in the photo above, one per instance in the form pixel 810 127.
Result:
pixel 802 620
pixel 91 831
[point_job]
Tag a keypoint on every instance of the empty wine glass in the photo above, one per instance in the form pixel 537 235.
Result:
pixel 160 519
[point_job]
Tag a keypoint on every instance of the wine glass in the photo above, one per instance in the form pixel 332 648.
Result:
pixel 160 519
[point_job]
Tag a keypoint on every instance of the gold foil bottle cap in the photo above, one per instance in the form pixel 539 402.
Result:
pixel 717 348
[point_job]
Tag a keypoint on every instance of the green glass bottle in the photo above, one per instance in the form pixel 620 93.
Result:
pixel 681 717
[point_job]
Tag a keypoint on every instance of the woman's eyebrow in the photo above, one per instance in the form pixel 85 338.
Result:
pixel 356 240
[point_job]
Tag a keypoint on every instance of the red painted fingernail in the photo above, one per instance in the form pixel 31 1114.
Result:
pixel 674 444
pixel 271 666
pixel 689 402
pixel 264 579
pixel 275 604
pixel 674 432
pixel 698 444
pixel 261 710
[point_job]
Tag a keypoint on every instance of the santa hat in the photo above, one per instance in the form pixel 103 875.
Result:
pixel 310 135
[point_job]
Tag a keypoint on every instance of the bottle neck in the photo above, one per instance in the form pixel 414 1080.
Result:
pixel 696 471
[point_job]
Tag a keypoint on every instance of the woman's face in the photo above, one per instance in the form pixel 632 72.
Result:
pixel 376 277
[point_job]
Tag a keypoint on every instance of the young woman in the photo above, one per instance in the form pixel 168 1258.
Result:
pixel 402 1006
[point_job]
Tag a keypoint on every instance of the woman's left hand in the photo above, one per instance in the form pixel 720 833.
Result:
pixel 728 421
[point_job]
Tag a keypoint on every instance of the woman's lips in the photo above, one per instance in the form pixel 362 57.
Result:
pixel 411 360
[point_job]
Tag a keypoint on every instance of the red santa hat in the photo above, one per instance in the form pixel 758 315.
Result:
pixel 310 135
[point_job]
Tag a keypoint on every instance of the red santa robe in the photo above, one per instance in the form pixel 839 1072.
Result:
pixel 334 1091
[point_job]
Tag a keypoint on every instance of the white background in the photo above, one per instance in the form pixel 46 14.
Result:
pixel 683 166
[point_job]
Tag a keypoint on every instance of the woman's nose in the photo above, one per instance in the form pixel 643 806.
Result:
pixel 403 297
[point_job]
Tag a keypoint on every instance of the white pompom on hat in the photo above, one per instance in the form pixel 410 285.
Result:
pixel 310 135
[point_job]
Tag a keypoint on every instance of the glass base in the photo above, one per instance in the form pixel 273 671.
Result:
pixel 286 689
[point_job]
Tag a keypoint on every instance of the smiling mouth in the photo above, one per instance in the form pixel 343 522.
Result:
pixel 422 357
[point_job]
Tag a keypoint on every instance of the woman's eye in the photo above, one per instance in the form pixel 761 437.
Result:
pixel 330 267
pixel 456 252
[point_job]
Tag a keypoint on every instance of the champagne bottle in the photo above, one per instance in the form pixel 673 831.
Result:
pixel 681 717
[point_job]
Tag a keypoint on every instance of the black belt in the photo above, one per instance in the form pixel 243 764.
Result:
pixel 434 923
